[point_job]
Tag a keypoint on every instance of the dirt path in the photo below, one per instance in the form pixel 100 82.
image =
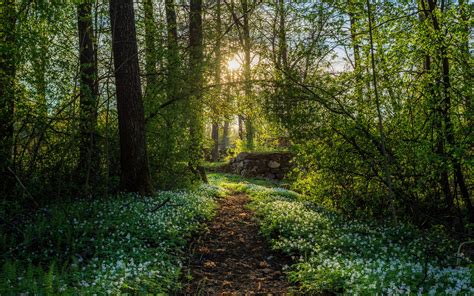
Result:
pixel 232 258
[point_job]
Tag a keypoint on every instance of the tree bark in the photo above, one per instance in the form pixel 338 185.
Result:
pixel 7 92
pixel 249 128
pixel 241 127
pixel 195 87
pixel 150 51
pixel 225 138
pixel 88 166
pixel 215 126
pixel 283 48
pixel 135 174
pixel 172 53
pixel 215 142
pixel 353 18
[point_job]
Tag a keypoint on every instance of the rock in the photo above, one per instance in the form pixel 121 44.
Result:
pixel 241 156
pixel 270 176
pixel 273 164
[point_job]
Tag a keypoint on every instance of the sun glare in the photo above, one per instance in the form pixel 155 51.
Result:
pixel 233 64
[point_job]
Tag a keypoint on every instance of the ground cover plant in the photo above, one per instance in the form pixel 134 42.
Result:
pixel 333 253
pixel 125 244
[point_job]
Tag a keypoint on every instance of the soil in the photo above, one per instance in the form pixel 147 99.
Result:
pixel 232 258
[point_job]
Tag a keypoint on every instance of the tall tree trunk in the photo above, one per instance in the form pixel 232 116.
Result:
pixel 225 138
pixel 353 18
pixel 172 52
pixel 88 166
pixel 446 115
pixel 172 39
pixel 249 128
pixel 173 85
pixel 135 174
pixel 283 48
pixel 215 142
pixel 215 126
pixel 150 51
pixel 241 127
pixel 386 161
pixel 39 62
pixel 439 147
pixel 7 93
pixel 468 71
pixel 195 88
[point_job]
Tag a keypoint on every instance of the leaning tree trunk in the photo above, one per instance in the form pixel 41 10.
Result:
pixel 135 174
pixel 7 93
pixel 88 166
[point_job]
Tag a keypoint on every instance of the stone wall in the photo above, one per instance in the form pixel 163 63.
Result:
pixel 270 165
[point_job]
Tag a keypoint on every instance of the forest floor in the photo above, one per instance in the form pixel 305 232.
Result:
pixel 232 258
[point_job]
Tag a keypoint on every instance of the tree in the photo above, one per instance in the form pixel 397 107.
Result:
pixel 381 131
pixel 442 107
pixel 7 91
pixel 88 165
pixel 195 88
pixel 135 174
pixel 150 51
pixel 215 125
pixel 249 128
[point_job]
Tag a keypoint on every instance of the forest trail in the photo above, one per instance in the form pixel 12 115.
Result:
pixel 232 258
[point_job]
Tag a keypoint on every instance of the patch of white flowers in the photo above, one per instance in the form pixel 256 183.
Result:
pixel 354 257
pixel 127 244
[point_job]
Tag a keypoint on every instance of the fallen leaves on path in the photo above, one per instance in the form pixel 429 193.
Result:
pixel 233 259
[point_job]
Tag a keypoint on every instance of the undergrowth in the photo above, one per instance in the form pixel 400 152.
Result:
pixel 333 253
pixel 126 244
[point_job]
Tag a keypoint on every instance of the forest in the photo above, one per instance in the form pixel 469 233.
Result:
pixel 236 147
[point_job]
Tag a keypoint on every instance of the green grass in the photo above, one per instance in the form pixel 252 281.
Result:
pixel 212 166
pixel 229 180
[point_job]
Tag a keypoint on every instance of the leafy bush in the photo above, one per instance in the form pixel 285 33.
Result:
pixel 354 257
pixel 126 244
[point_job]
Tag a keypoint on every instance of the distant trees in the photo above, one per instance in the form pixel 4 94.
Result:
pixel 135 174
